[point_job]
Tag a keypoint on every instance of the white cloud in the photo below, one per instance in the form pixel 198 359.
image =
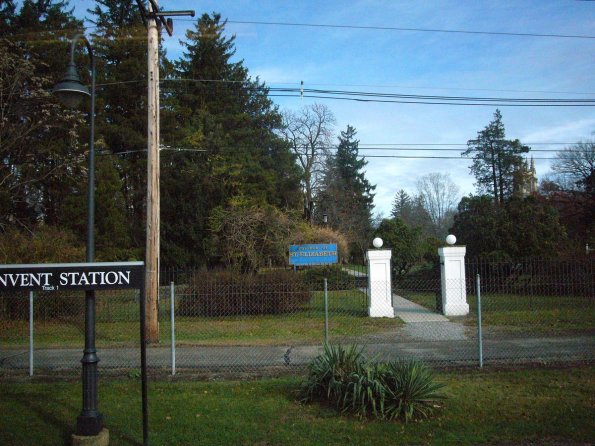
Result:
pixel 569 131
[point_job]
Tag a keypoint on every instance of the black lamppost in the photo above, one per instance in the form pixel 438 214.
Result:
pixel 70 91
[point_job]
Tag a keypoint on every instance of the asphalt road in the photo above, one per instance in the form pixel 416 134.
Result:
pixel 460 351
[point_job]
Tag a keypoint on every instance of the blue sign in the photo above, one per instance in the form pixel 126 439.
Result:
pixel 318 254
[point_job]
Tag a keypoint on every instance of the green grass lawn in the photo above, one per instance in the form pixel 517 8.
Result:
pixel 511 312
pixel 117 321
pixel 490 407
pixel 356 267
pixel 117 325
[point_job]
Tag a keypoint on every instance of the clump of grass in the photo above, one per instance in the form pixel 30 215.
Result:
pixel 403 389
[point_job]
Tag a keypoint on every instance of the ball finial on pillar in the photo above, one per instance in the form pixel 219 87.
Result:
pixel 377 242
pixel 451 239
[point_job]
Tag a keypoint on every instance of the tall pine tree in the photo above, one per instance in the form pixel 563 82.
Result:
pixel 120 46
pixel 495 159
pixel 346 195
pixel 224 147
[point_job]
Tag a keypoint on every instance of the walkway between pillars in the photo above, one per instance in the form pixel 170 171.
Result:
pixel 423 324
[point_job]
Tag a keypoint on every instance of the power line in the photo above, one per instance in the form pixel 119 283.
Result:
pixel 426 30
pixel 405 149
pixel 400 98
pixel 80 158
pixel 366 96
pixel 435 97
pixel 414 157
pixel 423 102
pixel 270 86
pixel 383 147
pixel 298 89
pixel 334 26
pixel 413 87
pixel 456 144
pixel 442 157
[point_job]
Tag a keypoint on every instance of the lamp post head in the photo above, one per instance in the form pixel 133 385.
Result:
pixel 325 218
pixel 377 242
pixel 70 90
pixel 451 239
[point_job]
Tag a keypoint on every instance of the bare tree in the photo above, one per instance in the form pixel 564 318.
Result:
pixel 310 133
pixel 576 165
pixel 439 195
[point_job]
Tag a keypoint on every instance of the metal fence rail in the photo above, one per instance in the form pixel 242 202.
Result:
pixel 279 320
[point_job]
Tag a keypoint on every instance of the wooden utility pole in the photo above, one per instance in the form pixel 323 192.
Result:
pixel 153 19
pixel 153 205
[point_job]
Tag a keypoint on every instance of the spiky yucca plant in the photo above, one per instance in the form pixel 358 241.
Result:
pixel 328 373
pixel 394 390
pixel 411 390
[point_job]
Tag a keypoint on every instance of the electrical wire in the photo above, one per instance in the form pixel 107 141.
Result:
pixel 162 82
pixel 367 96
pixel 422 102
pixel 416 96
pixel 455 144
pixel 356 27
pixel 393 28
pixel 410 87
pixel 414 157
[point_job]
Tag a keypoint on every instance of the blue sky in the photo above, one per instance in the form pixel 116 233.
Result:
pixel 428 63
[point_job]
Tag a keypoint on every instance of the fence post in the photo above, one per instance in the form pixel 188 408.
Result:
pixel 30 333
pixel 172 316
pixel 325 311
pixel 479 334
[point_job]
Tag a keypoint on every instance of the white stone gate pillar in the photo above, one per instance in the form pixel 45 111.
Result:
pixel 452 279
pixel 379 281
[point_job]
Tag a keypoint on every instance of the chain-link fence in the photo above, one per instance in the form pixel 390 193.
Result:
pixel 278 320
pixel 46 330
pixel 533 310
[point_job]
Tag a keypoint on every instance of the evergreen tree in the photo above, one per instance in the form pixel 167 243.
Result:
pixel 112 227
pixel 401 205
pixel 495 159
pixel 406 243
pixel 7 14
pixel 120 46
pixel 39 139
pixel 413 212
pixel 224 146
pixel 520 228
pixel 346 195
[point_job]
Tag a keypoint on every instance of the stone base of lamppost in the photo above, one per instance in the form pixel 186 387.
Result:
pixel 89 425
pixel 101 439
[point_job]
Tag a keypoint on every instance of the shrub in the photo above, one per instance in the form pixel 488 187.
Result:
pixel 47 244
pixel 48 306
pixel 337 278
pixel 246 238
pixel 306 234
pixel 424 277
pixel 395 390
pixel 227 293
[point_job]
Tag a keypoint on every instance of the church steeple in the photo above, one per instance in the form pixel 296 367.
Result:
pixel 525 178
